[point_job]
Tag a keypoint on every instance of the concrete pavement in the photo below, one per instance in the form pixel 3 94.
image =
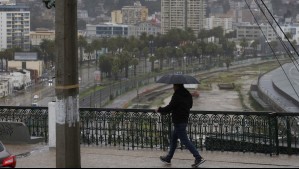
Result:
pixel 39 156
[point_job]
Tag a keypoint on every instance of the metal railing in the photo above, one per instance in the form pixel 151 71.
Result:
pixel 260 132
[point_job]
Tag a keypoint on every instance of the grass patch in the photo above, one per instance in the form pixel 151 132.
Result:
pixel 90 91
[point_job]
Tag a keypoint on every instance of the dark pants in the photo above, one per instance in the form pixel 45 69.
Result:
pixel 180 132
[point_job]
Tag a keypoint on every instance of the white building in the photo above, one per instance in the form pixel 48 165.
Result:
pixel 5 87
pixel 292 29
pixel 253 32
pixel 149 28
pixel 107 30
pixel 116 17
pixel 134 14
pixel 225 23
pixel 14 27
pixel 82 14
pixel 183 14
pixel 36 37
pixel 21 80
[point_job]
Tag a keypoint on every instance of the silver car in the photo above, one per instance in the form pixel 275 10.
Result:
pixel 7 160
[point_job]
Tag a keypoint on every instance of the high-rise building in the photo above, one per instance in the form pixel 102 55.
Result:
pixel 134 14
pixel 116 17
pixel 183 14
pixel 14 27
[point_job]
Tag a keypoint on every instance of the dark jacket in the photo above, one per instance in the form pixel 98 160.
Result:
pixel 179 106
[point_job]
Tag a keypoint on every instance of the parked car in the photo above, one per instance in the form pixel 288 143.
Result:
pixel 7 160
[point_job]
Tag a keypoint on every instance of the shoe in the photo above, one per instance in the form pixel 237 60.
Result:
pixel 165 160
pixel 198 162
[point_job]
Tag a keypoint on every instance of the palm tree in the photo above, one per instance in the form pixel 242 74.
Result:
pixel 106 62
pixel 160 54
pixel 116 67
pixel 89 49
pixel 254 45
pixel 125 59
pixel 9 55
pixel 82 43
pixel 135 63
pixel 145 52
pixel 96 45
pixel 243 44
pixel 48 50
pixel 152 60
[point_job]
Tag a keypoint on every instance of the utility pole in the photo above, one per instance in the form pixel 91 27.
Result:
pixel 67 85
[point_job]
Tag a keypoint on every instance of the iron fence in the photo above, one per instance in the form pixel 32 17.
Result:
pixel 261 132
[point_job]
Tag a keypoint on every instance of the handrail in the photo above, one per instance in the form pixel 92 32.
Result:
pixel 265 132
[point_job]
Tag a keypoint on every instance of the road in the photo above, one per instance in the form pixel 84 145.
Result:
pixel 45 91
pixel 278 78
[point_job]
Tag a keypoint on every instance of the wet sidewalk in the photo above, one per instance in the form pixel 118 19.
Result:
pixel 39 156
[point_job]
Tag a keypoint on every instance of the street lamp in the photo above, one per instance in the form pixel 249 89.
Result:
pixel 151 42
pixel 185 64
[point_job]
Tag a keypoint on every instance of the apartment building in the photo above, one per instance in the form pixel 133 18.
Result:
pixel 134 14
pixel 183 14
pixel 225 23
pixel 253 32
pixel 116 17
pixel 14 27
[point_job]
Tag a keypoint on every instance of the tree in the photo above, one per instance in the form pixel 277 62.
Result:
pixel 106 64
pixel 82 43
pixel 274 44
pixel 116 67
pixel 135 63
pixel 89 49
pixel 48 50
pixel 243 44
pixel 145 52
pixel 160 54
pixel 96 45
pixel 9 55
pixel 125 61
pixel 152 60
pixel 254 45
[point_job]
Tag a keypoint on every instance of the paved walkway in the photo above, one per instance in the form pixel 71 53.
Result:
pixel 39 156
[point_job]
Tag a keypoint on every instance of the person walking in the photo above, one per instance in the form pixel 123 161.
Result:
pixel 179 107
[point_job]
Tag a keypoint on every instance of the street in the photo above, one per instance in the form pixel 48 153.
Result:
pixel 45 90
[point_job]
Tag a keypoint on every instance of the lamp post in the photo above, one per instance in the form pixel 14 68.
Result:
pixel 185 64
pixel 151 42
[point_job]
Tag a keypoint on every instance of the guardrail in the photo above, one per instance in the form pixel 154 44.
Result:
pixel 261 132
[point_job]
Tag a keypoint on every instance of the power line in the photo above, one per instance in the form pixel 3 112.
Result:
pixel 271 48
pixel 280 27
pixel 278 37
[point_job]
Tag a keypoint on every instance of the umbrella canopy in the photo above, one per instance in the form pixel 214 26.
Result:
pixel 178 79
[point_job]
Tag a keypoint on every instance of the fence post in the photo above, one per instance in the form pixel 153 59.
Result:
pixel 52 124
pixel 289 136
pixel 276 134
pixel 272 122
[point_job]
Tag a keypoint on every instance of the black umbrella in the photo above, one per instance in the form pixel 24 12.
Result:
pixel 178 79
